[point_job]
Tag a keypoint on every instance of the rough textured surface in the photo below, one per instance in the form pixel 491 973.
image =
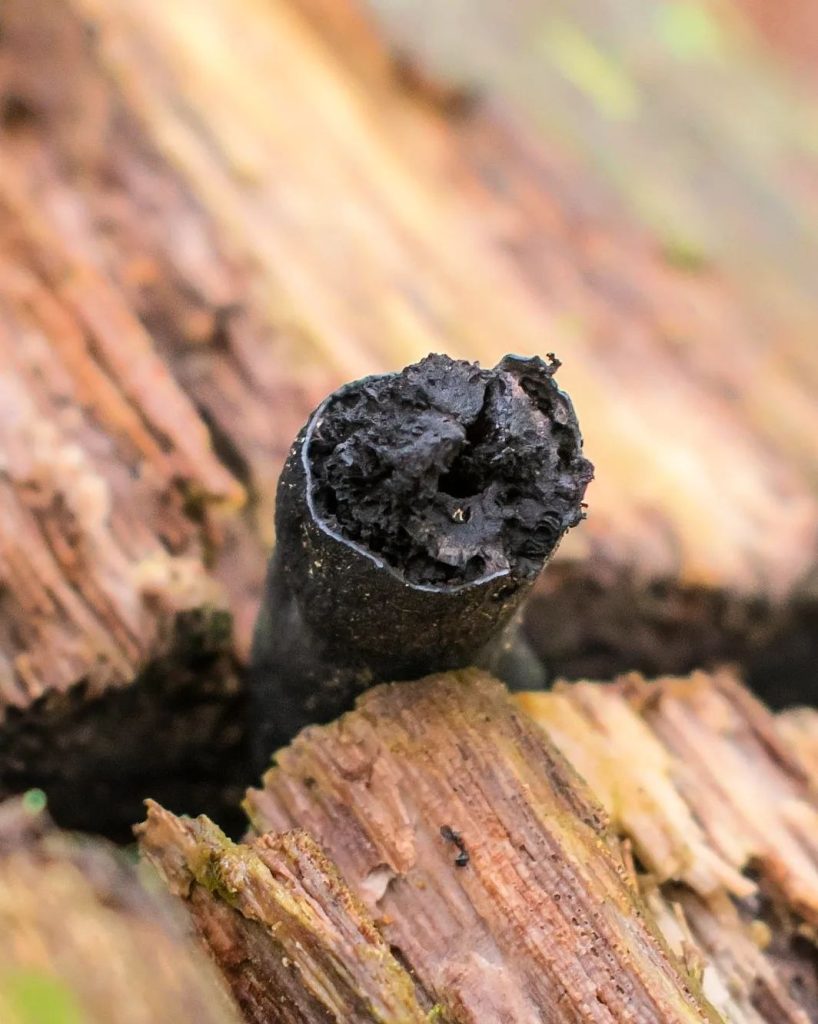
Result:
pixel 499 883
pixel 204 211
pixel 413 515
pixel 543 922
pixel 713 797
pixel 179 257
pixel 717 797
pixel 103 458
pixel 82 941
pixel 294 943
pixel 449 472
pixel 753 967
pixel 713 791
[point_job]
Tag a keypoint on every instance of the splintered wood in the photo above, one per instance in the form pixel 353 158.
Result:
pixel 496 879
pixel 103 455
pixel 295 944
pixel 108 469
pixel 542 916
pixel 83 942
pixel 711 791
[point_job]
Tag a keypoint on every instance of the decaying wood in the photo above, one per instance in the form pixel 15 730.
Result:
pixel 690 891
pixel 186 268
pixel 212 212
pixel 704 908
pixel 81 939
pixel 714 787
pixel 543 920
pixel 721 808
pixel 294 943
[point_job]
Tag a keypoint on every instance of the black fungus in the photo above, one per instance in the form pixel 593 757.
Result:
pixel 413 513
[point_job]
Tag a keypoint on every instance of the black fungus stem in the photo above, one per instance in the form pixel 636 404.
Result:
pixel 414 512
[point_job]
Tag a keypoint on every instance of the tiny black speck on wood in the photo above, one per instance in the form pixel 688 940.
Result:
pixel 451 836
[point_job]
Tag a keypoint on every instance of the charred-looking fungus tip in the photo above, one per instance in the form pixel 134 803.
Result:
pixel 413 514
pixel 450 473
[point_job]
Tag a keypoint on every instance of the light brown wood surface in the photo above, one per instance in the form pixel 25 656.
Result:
pixel 675 878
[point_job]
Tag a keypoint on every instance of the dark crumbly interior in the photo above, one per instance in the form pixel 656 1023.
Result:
pixel 449 472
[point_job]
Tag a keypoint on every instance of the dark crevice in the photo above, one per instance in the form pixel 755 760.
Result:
pixel 178 733
pixel 175 734
pixel 584 626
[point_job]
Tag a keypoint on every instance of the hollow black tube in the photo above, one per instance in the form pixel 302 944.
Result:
pixel 413 514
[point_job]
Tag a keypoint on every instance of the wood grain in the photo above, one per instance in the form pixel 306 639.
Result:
pixel 543 922
pixel 294 943
pixel 217 211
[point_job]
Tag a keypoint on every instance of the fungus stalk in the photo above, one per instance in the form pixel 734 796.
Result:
pixel 414 512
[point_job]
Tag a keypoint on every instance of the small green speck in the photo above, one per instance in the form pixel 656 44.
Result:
pixel 34 801
pixel 684 254
pixel 597 74
pixel 31 997
pixel 690 31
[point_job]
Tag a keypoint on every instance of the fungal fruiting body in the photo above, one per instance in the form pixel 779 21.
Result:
pixel 413 514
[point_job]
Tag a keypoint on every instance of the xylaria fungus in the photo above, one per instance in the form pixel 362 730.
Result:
pixel 414 512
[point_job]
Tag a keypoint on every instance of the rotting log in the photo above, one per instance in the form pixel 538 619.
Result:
pixel 720 805
pixel 539 921
pixel 679 882
pixel 185 271
pixel 294 943
pixel 694 777
pixel 83 940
